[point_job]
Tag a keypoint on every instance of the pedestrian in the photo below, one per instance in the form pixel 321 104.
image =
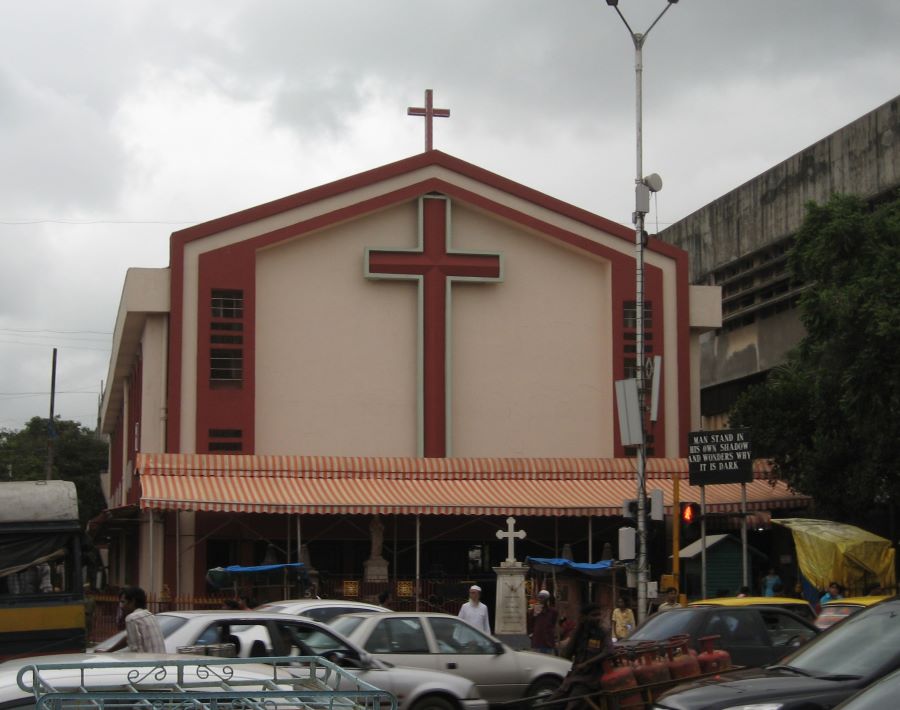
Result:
pixel 544 617
pixel 589 645
pixel 622 620
pixel 743 592
pixel 474 612
pixel 566 629
pixel 771 582
pixel 671 601
pixel 142 632
pixel 834 592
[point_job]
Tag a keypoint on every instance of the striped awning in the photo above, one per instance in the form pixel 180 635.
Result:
pixel 414 486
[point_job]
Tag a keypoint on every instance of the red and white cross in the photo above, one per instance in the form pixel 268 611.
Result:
pixel 435 266
pixel 430 113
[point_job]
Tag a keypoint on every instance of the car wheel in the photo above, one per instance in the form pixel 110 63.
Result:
pixel 433 702
pixel 543 686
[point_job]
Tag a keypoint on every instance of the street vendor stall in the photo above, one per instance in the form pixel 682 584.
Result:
pixel 836 552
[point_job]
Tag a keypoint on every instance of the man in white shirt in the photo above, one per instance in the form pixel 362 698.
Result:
pixel 474 612
pixel 142 628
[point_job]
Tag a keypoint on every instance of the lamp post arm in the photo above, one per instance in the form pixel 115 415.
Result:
pixel 658 18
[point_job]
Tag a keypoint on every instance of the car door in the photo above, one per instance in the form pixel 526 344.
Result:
pixel 741 633
pixel 786 632
pixel 465 651
pixel 400 640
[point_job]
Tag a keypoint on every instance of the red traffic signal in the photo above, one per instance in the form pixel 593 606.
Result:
pixel 689 513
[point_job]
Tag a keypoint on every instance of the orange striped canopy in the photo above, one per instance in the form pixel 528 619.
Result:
pixel 418 486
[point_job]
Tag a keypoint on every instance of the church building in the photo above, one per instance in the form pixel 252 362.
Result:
pixel 422 350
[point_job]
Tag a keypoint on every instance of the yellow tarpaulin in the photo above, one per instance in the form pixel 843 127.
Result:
pixel 834 552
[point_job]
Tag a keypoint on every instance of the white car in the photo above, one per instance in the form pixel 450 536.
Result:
pixel 446 643
pixel 323 610
pixel 258 634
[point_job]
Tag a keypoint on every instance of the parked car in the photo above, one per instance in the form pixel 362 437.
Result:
pixel 800 607
pixel 839 609
pixel 263 634
pixel 754 636
pixel 830 668
pixel 323 610
pixel 443 642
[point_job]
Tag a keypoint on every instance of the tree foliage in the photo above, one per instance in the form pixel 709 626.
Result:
pixel 830 417
pixel 79 456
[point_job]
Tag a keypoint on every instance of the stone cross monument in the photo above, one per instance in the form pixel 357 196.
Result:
pixel 512 606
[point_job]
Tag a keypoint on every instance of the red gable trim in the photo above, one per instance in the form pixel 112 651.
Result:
pixel 402 167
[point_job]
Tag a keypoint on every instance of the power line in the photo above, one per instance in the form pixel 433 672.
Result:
pixel 56 332
pixel 25 222
pixel 44 345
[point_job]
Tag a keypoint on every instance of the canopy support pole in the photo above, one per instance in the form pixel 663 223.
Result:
pixel 703 542
pixel 590 554
pixel 152 557
pixel 287 554
pixel 395 553
pixel 418 558
pixel 745 572
pixel 177 553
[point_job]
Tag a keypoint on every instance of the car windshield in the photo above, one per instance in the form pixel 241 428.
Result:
pixel 345 625
pixel 662 625
pixel 859 646
pixel 879 695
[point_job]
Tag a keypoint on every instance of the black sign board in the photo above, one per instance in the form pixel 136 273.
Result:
pixel 721 456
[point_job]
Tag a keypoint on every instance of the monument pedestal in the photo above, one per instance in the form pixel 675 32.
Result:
pixel 510 616
pixel 375 570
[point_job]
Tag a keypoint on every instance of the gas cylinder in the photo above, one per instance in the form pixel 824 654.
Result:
pixel 682 664
pixel 711 659
pixel 649 667
pixel 618 675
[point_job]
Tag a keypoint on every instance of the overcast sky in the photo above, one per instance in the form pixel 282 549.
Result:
pixel 121 121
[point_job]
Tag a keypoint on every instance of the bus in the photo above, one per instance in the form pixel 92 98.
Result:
pixel 41 592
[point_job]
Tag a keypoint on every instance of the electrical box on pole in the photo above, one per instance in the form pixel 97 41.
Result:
pixel 627 548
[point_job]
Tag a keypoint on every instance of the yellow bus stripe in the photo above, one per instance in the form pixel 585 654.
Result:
pixel 40 618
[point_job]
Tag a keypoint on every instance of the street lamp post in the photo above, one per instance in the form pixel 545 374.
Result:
pixel 643 188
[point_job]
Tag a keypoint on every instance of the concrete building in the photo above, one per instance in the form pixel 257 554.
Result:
pixel 739 242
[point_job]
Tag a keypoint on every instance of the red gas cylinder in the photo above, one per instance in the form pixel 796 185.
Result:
pixel 649 667
pixel 711 659
pixel 618 675
pixel 682 663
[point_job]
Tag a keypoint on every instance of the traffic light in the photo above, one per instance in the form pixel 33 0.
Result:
pixel 689 519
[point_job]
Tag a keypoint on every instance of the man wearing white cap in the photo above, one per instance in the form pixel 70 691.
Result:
pixel 474 612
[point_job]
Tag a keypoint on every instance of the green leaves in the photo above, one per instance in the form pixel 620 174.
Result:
pixel 830 417
pixel 79 456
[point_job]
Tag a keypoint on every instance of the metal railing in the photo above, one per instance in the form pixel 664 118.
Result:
pixel 305 683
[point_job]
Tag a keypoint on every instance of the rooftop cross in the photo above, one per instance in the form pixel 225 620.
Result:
pixel 429 112
pixel 511 534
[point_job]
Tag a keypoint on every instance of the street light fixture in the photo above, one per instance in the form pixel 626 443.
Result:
pixel 643 186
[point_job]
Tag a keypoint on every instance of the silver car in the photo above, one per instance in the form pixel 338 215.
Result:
pixel 261 634
pixel 446 643
pixel 323 610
